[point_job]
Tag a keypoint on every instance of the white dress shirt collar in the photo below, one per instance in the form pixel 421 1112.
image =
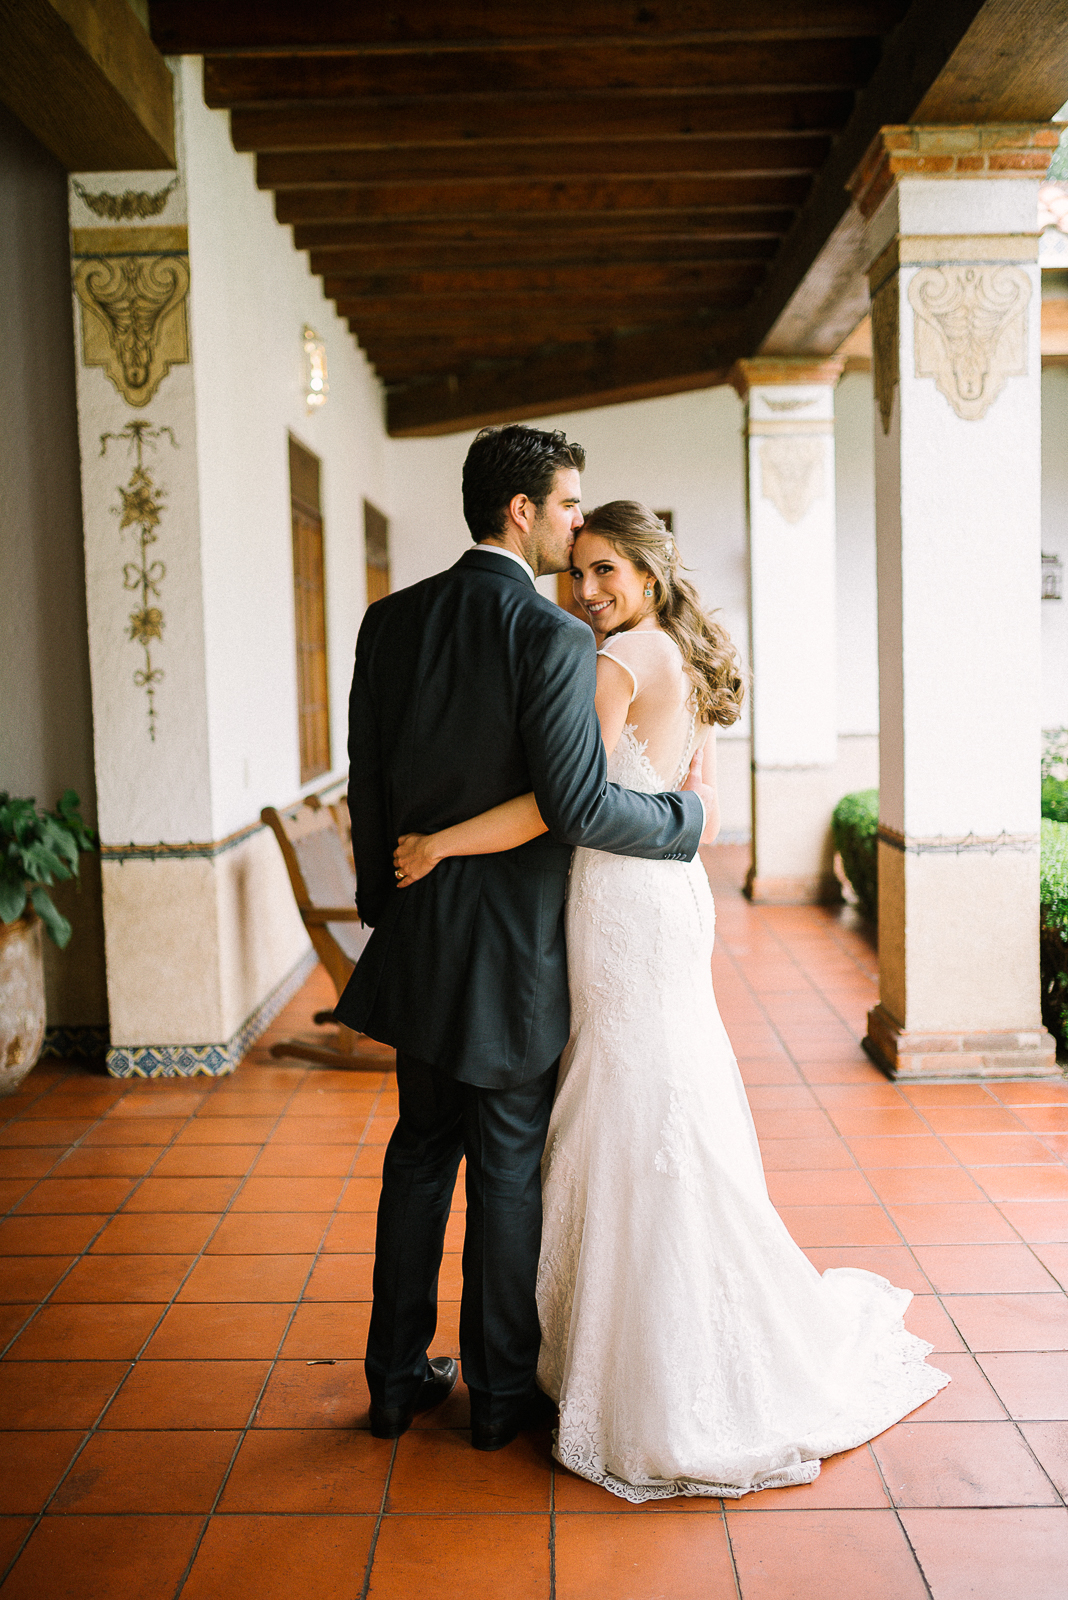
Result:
pixel 488 544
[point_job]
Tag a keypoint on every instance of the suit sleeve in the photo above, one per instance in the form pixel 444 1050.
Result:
pixel 565 753
pixel 371 842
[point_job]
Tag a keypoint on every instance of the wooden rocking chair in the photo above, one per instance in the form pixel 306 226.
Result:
pixel 318 858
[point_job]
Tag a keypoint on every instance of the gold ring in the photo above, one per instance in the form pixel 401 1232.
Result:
pixel 398 874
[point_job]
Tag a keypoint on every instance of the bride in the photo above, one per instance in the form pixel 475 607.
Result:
pixel 691 1346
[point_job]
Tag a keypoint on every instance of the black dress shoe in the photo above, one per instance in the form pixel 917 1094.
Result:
pixel 537 1411
pixel 389 1422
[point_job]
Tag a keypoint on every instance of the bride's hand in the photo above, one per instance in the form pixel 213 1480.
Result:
pixel 413 858
pixel 693 777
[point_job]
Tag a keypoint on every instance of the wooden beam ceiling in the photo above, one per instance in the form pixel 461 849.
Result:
pixel 88 82
pixel 521 209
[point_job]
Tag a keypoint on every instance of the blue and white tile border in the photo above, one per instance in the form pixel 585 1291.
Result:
pixel 209 1060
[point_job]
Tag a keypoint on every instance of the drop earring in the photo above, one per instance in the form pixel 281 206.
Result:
pixel 648 594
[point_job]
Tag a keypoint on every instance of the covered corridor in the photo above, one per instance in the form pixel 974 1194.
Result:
pixel 181 1391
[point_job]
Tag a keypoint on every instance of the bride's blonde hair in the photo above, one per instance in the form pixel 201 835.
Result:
pixel 711 659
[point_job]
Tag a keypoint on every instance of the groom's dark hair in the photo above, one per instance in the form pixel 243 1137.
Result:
pixel 504 462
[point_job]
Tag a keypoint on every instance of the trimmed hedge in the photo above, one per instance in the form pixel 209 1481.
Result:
pixel 1055 799
pixel 1054 926
pixel 854 824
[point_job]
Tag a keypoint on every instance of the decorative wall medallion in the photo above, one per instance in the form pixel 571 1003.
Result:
pixel 787 405
pixel 884 348
pixel 124 207
pixel 970 331
pixel 141 507
pixel 792 473
pixel 134 319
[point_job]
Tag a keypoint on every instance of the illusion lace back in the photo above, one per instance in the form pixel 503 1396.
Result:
pixel 661 716
pixel 693 1348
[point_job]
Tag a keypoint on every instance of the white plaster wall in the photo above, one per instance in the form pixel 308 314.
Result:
pixel 250 296
pixel 1055 542
pixel 858 644
pixel 46 737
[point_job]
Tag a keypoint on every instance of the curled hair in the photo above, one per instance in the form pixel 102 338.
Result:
pixel 709 656
pixel 504 462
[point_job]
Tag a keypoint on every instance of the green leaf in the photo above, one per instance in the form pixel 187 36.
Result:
pixel 56 926
pixel 12 900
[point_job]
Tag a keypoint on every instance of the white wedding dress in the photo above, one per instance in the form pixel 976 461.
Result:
pixel 692 1347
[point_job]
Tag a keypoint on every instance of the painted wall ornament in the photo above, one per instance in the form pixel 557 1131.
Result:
pixel 792 473
pixel 970 331
pixel 884 348
pixel 134 321
pixel 141 507
pixel 131 204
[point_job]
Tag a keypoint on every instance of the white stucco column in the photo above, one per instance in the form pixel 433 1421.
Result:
pixel 789 438
pixel 955 312
pixel 202 941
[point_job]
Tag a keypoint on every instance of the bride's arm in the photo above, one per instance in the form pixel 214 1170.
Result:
pixel 502 828
pixel 516 821
pixel 615 691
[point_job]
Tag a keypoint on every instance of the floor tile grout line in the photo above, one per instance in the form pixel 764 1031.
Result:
pixel 95 1427
pixel 552 1529
pixel 119 1210
pixel 730 1549
pixel 67 1150
pixel 818 987
pixel 373 1546
pixel 92 1431
pixel 20 1115
pixel 244 1431
pixel 878 1199
pixel 897 1517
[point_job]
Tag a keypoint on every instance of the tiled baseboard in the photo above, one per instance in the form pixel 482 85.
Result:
pixel 80 1042
pixel 208 1060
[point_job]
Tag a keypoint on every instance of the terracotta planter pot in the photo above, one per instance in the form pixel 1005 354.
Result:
pixel 22 999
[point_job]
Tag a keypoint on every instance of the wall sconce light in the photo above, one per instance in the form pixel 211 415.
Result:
pixel 316 386
pixel 1052 572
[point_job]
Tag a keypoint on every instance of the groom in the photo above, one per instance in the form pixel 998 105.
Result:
pixel 471 688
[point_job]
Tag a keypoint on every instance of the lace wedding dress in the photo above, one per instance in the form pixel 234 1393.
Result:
pixel 693 1348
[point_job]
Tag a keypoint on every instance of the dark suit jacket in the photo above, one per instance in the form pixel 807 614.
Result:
pixel 471 688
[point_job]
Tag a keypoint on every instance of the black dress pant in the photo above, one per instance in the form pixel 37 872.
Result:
pixel 502 1134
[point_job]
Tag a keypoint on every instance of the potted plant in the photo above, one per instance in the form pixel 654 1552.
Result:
pixel 37 849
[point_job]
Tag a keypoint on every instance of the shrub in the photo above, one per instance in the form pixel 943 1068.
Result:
pixel 1055 799
pixel 1054 926
pixel 854 825
pixel 39 848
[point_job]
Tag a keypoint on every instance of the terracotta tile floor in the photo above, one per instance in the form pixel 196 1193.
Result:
pixel 183 1306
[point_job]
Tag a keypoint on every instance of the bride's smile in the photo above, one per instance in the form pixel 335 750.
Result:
pixel 610 589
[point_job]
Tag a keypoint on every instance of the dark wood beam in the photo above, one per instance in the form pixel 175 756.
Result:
pixel 196 27
pixel 374 255
pixel 484 284
pixel 557 118
pixel 747 157
pixel 517 231
pixel 688 355
pixel 751 65
pixel 529 199
pixel 400 360
pixel 1011 66
pixel 86 79
pixel 932 64
pixel 524 314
